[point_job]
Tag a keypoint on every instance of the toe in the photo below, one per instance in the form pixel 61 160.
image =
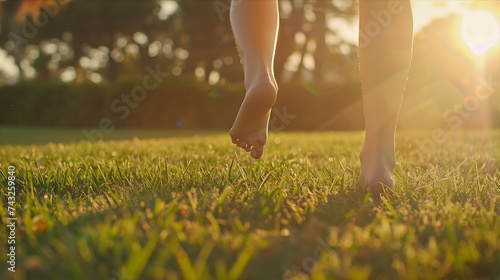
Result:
pixel 257 152
pixel 241 144
pixel 257 147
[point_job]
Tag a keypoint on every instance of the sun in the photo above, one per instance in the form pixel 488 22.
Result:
pixel 480 31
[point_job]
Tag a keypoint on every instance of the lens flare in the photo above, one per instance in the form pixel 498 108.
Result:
pixel 480 31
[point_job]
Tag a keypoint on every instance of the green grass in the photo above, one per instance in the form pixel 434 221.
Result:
pixel 193 207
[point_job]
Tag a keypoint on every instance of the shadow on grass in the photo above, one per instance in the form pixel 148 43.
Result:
pixel 297 251
pixel 98 244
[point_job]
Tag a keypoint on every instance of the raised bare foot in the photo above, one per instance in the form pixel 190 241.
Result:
pixel 250 128
pixel 377 165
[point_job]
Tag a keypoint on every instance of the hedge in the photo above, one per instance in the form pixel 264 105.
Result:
pixel 175 103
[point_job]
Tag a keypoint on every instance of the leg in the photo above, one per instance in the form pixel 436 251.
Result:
pixel 255 25
pixel 385 55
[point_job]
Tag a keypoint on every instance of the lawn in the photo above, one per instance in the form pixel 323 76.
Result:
pixel 162 206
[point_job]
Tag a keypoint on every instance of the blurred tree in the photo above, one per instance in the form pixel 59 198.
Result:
pixel 84 26
pixel 105 23
pixel 16 31
pixel 206 34
pixel 107 40
pixel 310 20
pixel 203 30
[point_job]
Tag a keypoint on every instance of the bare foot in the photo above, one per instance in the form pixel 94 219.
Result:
pixel 377 166
pixel 249 130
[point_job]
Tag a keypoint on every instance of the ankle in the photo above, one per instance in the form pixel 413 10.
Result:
pixel 263 93
pixel 263 80
pixel 378 154
pixel 259 73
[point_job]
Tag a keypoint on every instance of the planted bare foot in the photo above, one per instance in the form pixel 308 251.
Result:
pixel 250 129
pixel 377 165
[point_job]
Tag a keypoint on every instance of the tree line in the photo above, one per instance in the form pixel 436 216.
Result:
pixel 103 41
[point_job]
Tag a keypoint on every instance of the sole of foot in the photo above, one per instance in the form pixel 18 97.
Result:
pixel 250 128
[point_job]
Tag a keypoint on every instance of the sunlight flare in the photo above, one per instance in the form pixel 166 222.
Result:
pixel 480 31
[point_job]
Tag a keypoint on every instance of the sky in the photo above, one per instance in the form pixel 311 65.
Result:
pixel 424 12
